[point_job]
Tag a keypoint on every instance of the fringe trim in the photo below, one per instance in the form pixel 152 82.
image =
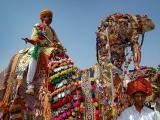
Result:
pixel 8 90
pixel 47 113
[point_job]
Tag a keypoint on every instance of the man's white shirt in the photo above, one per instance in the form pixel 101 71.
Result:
pixel 131 113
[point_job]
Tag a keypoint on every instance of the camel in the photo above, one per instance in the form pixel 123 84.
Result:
pixel 65 92
pixel 115 34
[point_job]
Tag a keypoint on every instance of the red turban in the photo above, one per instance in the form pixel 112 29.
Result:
pixel 140 84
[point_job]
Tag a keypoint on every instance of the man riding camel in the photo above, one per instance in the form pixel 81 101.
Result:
pixel 44 41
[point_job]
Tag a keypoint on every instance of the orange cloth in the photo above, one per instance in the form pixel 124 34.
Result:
pixel 45 12
pixel 140 84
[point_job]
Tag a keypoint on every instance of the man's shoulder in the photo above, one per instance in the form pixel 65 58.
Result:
pixel 126 113
pixel 37 24
pixel 130 108
pixel 40 26
pixel 148 109
pixel 145 108
pixel 127 110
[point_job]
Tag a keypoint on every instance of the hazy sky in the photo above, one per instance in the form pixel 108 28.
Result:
pixel 75 22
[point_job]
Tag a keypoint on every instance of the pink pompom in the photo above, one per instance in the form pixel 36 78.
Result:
pixel 68 113
pixel 76 104
pixel 97 112
pixel 60 117
pixel 81 110
pixel 64 114
pixel 54 118
pixel 71 110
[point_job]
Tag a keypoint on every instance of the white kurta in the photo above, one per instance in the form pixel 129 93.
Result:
pixel 132 114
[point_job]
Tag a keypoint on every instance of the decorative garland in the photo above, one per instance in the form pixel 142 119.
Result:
pixel 62 73
pixel 66 96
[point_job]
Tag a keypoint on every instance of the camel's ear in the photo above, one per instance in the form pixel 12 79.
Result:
pixel 145 16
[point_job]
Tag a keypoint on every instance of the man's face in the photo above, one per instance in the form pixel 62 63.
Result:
pixel 139 98
pixel 47 19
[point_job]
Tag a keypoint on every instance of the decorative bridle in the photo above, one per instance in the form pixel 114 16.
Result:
pixel 140 27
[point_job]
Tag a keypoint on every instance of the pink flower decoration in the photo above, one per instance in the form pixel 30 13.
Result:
pixel 64 114
pixel 81 110
pixel 68 113
pixel 97 112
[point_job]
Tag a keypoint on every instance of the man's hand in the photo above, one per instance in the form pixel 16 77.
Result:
pixel 26 40
pixel 29 41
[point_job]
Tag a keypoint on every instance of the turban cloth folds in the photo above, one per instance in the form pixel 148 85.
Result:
pixel 139 85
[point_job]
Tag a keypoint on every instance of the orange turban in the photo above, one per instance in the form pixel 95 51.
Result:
pixel 140 84
pixel 45 12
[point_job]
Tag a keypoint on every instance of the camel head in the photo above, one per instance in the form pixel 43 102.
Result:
pixel 146 23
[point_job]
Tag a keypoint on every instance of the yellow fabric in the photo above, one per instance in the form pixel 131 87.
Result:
pixel 46 49
pixel 49 33
pixel 35 35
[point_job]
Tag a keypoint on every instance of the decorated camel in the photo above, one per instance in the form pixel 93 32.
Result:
pixel 117 33
pixel 67 92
